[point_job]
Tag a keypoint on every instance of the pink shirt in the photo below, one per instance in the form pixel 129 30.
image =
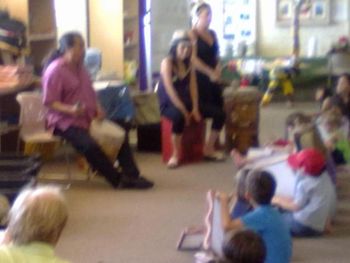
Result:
pixel 62 84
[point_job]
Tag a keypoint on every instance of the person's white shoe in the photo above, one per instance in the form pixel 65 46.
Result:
pixel 173 163
pixel 214 157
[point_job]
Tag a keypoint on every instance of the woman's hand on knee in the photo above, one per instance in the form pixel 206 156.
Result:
pixel 196 115
pixel 187 117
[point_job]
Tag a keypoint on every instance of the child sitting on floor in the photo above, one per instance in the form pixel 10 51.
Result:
pixel 334 131
pixel 245 247
pixel 297 124
pixel 242 206
pixel 265 220
pixel 314 200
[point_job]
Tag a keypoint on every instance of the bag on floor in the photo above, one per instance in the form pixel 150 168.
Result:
pixel 109 136
pixel 17 171
pixel 147 108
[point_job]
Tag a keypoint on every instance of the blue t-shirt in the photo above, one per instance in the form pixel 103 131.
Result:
pixel 268 223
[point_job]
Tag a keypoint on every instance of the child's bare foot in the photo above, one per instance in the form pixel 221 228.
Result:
pixel 238 159
pixel 328 229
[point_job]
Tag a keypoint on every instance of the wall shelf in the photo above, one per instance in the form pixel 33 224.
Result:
pixel 131 40
pixel 42 36
pixel 130 45
pixel 128 18
pixel 40 20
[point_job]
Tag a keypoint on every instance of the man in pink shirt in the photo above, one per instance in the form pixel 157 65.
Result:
pixel 72 105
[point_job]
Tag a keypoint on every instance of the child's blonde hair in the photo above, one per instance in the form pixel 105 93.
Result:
pixel 297 118
pixel 332 118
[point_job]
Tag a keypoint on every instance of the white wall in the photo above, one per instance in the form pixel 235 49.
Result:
pixel 166 17
pixel 277 41
pixel 71 15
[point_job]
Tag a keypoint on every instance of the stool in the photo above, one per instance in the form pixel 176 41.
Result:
pixel 192 141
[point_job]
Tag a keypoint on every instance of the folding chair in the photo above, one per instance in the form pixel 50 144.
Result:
pixel 32 125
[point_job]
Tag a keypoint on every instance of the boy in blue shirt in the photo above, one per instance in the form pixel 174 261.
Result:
pixel 314 200
pixel 264 219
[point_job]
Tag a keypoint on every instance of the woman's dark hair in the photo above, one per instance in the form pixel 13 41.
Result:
pixel 323 93
pixel 66 42
pixel 261 185
pixel 201 7
pixel 345 75
pixel 172 51
pixel 245 247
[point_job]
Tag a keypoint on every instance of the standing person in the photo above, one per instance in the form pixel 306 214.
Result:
pixel 35 224
pixel 72 105
pixel 178 91
pixel 205 58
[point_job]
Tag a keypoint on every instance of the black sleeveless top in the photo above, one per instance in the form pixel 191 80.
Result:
pixel 208 53
pixel 209 93
pixel 182 88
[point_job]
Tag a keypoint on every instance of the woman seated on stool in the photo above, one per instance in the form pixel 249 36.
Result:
pixel 178 91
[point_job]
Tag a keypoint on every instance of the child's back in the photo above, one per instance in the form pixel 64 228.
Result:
pixel 268 223
pixel 265 219
pixel 314 201
pixel 317 199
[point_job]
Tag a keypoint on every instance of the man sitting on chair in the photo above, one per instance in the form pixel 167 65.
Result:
pixel 72 104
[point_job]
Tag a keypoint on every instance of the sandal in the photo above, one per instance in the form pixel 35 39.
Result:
pixel 173 163
pixel 214 157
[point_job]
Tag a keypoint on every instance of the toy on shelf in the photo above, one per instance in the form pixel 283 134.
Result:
pixel 130 71
pixel 280 75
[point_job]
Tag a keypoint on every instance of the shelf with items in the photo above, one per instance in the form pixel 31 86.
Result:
pixel 130 18
pixel 40 20
pixel 42 36
pixel 131 42
pixel 9 115
pixel 130 45
pixel 130 37
pixel 38 51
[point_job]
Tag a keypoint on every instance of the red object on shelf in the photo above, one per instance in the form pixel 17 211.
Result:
pixel 244 82
pixel 192 141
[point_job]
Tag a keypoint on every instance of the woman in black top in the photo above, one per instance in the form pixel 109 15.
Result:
pixel 206 62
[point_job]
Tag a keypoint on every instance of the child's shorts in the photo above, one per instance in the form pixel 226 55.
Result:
pixel 297 229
